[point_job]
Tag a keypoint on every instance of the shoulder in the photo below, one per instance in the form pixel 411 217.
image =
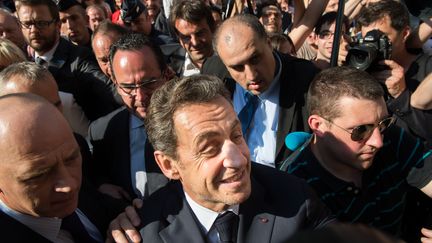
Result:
pixel 98 127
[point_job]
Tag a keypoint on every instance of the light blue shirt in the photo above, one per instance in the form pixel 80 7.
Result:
pixel 138 137
pixel 261 138
pixel 50 227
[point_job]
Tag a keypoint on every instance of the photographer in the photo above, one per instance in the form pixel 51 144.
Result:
pixel 405 71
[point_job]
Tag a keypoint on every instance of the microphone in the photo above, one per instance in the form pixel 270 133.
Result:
pixel 295 139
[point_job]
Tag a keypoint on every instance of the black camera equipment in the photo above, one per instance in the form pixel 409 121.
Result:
pixel 365 53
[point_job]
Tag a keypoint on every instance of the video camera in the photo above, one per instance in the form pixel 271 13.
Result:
pixel 365 53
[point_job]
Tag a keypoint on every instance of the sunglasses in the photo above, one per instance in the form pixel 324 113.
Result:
pixel 362 132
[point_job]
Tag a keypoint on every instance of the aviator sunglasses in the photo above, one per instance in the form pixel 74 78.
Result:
pixel 364 131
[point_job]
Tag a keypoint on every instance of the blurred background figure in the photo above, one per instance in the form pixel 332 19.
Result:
pixel 9 53
pixel 282 43
pixel 96 15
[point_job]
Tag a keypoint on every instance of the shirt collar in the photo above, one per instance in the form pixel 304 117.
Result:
pixel 47 56
pixel 136 122
pixel 47 227
pixel 274 86
pixel 205 216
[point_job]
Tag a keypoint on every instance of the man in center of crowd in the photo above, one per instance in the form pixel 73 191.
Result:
pixel 270 92
pixel 216 194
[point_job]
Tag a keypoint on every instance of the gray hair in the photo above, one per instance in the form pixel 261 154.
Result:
pixel 170 97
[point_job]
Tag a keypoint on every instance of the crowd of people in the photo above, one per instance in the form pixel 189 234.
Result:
pixel 215 121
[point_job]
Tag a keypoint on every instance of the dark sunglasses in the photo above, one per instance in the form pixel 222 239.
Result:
pixel 363 132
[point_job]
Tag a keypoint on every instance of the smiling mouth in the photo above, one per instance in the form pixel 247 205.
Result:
pixel 233 178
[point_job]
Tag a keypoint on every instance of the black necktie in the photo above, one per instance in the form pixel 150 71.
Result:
pixel 226 225
pixel 40 61
pixel 75 227
pixel 247 112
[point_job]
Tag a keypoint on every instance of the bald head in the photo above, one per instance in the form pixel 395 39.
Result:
pixel 10 29
pixel 40 168
pixel 228 32
pixel 28 77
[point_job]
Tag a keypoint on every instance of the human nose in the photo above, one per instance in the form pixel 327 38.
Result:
pixel 234 156
pixel 66 183
pixel 251 73
pixel 376 139
pixel 141 93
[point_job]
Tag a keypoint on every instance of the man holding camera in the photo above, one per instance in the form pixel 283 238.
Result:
pixel 405 71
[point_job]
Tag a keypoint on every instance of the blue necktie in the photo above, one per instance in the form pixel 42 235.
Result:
pixel 247 112
pixel 76 228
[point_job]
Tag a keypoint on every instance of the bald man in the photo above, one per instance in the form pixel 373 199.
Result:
pixel 28 77
pixel 272 83
pixel 10 29
pixel 40 177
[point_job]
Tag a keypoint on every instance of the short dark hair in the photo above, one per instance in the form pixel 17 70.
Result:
pixel 192 11
pixel 173 95
pixel 106 27
pixel 52 7
pixel 136 41
pixel 242 19
pixel 334 83
pixel 396 11
pixel 277 39
pixel 263 4
pixel 328 19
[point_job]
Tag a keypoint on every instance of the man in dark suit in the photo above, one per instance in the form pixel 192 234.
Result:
pixel 272 84
pixel 124 162
pixel 73 67
pixel 216 193
pixel 41 195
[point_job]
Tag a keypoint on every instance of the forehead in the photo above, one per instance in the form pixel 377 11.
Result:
pixel 102 42
pixel 135 63
pixel 185 27
pixel 371 110
pixel 383 24
pixel 95 11
pixel 39 11
pixel 271 9
pixel 237 43
pixel 199 118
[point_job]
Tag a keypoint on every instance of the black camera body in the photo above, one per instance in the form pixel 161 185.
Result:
pixel 365 53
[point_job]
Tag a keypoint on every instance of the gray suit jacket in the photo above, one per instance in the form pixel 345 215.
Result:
pixel 279 206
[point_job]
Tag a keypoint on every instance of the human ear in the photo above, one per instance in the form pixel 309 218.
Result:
pixel 167 165
pixel 317 124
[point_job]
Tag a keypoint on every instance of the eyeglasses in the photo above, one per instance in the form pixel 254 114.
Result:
pixel 40 24
pixel 327 34
pixel 362 132
pixel 130 90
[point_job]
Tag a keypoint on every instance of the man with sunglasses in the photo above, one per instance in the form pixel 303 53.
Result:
pixel 124 163
pixel 360 165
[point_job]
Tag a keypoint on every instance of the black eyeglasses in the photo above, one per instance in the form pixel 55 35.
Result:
pixel 327 34
pixel 130 90
pixel 362 132
pixel 40 24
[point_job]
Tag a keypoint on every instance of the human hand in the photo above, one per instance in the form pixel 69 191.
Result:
pixel 427 235
pixel 114 191
pixel 393 77
pixel 123 228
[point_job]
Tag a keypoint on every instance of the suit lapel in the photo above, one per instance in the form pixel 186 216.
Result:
pixel 155 177
pixel 182 226
pixel 60 55
pixel 254 224
pixel 286 104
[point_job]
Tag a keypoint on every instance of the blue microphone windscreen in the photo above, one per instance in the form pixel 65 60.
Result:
pixel 295 139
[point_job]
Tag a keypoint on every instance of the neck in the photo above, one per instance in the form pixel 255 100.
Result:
pixel 405 59
pixel 335 167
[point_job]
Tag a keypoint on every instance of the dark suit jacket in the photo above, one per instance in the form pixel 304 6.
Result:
pixel 99 209
pixel 111 153
pixel 76 71
pixel 294 81
pixel 279 206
